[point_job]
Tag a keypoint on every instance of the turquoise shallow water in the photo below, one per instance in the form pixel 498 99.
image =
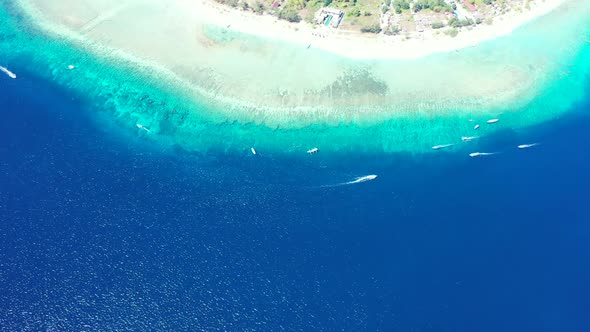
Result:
pixel 553 49
pixel 101 229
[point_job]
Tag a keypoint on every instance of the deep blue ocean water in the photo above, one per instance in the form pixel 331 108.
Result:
pixel 105 229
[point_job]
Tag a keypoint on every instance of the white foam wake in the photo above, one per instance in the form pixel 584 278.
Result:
pixel 360 179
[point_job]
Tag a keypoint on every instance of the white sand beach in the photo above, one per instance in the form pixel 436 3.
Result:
pixel 263 70
pixel 362 46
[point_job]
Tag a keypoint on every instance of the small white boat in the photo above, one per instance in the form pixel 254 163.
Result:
pixel 481 154
pixel 491 121
pixel 469 138
pixel 441 146
pixel 253 151
pixel 142 127
pixel 476 127
pixel 363 179
pixel 312 151
pixel 7 72
pixel 526 146
pixel 71 67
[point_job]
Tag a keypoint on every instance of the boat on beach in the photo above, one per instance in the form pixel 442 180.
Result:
pixel 7 72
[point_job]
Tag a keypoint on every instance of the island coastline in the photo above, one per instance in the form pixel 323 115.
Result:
pixel 357 45
pixel 388 105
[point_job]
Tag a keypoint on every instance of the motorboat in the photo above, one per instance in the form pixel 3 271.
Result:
pixel 526 146
pixel 7 72
pixel 481 154
pixel 441 146
pixel 142 127
pixel 363 179
pixel 468 138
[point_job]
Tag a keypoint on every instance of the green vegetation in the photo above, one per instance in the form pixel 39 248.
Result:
pixel 359 13
pixel 355 12
pixel 291 9
pixel 400 5
pixel 296 4
pixel 452 32
pixel 435 5
pixel 365 15
pixel 289 14
pixel 438 25
pixel 456 23
pixel 231 3
pixel 373 28
pixel 393 30
pixel 258 7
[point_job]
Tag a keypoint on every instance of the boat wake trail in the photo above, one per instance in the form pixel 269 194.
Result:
pixel 360 179
pixel 526 146
pixel 7 72
pixel 481 154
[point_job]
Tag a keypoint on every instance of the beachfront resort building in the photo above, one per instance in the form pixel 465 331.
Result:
pixel 329 17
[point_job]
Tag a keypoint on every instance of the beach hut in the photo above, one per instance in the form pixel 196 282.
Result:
pixel 469 5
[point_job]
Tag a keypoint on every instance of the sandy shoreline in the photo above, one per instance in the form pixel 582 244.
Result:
pixel 275 79
pixel 160 64
pixel 359 46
